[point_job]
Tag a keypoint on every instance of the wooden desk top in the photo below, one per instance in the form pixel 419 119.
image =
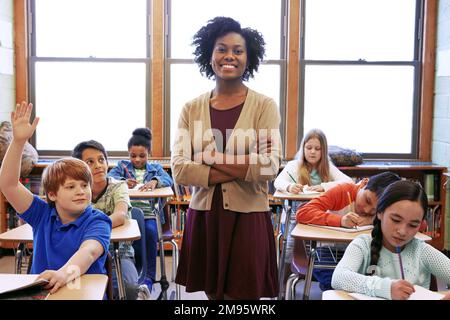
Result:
pixel 165 192
pixel 87 287
pixel 307 232
pixel 343 295
pixel 296 197
pixel 91 287
pixel 129 231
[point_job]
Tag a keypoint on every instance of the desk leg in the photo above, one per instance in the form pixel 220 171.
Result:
pixel 287 208
pixel 163 281
pixel 120 284
pixel 18 258
pixel 308 279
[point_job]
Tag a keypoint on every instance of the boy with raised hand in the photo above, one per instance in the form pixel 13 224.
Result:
pixel 70 238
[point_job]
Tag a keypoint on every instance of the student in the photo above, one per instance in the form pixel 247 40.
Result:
pixel 345 205
pixel 136 171
pixel 70 238
pixel 371 264
pixel 111 197
pixel 228 246
pixel 311 169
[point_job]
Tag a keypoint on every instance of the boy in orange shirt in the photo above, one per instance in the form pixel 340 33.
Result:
pixel 334 207
pixel 345 205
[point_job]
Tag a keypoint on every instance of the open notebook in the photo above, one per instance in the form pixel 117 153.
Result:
pixel 420 294
pixel 20 286
pixel 356 229
pixel 306 191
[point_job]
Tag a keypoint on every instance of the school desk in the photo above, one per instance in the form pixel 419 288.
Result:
pixel 129 231
pixel 86 287
pixel 161 195
pixel 281 248
pixel 312 234
pixel 343 295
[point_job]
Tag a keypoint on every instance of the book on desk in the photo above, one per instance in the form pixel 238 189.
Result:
pixel 22 287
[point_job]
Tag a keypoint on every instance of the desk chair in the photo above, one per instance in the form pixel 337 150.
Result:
pixel 325 258
pixel 165 235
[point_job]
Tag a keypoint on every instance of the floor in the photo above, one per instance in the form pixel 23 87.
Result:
pixel 7 266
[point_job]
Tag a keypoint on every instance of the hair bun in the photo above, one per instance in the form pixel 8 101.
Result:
pixel 144 132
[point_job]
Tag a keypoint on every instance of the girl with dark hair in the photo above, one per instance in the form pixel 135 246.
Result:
pixel 371 263
pixel 228 147
pixel 139 173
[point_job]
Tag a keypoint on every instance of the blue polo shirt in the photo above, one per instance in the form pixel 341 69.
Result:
pixel 55 243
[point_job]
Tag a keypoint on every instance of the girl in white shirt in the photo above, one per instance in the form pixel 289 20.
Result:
pixel 390 261
pixel 312 169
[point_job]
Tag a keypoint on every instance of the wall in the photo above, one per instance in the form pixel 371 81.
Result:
pixel 7 82
pixel 441 118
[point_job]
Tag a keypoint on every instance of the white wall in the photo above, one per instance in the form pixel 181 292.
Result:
pixel 441 118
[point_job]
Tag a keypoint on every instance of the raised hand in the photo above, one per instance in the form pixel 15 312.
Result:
pixel 20 120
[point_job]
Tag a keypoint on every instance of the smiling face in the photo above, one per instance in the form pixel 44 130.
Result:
pixel 138 156
pixel 229 57
pixel 400 222
pixel 97 164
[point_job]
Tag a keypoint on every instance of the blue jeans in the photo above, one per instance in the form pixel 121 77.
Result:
pixel 151 242
pixel 130 278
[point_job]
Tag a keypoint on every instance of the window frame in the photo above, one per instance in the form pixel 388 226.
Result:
pixel 282 63
pixel 416 63
pixel 33 59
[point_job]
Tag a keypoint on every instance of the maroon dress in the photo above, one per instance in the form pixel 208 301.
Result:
pixel 226 252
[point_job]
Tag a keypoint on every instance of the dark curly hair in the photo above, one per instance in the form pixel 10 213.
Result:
pixel 395 192
pixel 141 137
pixel 205 39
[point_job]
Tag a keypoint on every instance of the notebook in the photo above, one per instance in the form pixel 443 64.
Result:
pixel 421 293
pixel 350 230
pixel 307 191
pixel 19 286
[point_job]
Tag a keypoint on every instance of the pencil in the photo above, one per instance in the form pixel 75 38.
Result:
pixel 352 207
pixel 126 171
pixel 290 175
pixel 398 250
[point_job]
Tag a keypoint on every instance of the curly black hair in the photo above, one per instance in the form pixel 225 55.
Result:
pixel 205 38
pixel 141 137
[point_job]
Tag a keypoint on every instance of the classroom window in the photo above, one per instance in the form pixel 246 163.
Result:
pixel 89 72
pixel 360 63
pixel 184 81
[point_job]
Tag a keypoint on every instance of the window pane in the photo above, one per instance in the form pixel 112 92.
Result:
pixel 81 101
pixel 266 81
pixel 250 13
pixel 373 30
pixel 366 108
pixel 91 28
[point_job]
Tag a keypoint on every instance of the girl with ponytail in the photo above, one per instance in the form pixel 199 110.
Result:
pixel 391 260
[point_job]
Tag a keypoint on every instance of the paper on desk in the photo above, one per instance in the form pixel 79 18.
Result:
pixel 307 191
pixel 357 229
pixel 421 293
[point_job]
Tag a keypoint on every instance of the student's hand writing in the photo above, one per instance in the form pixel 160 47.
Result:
pixel 350 220
pixel 401 290
pixel 20 120
pixel 446 297
pixel 149 186
pixel 295 188
pixel 317 188
pixel 56 279
pixel 131 183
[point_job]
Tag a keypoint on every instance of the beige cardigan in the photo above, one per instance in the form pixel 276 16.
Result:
pixel 259 117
